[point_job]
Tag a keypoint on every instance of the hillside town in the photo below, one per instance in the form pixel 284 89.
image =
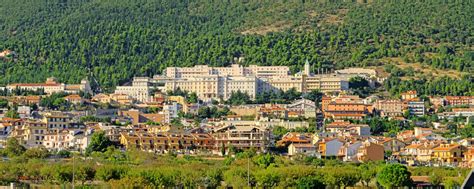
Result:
pixel 214 111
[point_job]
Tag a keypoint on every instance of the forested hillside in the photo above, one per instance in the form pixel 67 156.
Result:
pixel 119 39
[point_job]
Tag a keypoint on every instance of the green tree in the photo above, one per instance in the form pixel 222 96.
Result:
pixel 12 114
pixel 99 143
pixel 265 160
pixel 358 82
pixel 367 173
pixel 14 148
pixel 394 175
pixel 3 103
pixel 192 98
pixel 436 179
pixel 36 152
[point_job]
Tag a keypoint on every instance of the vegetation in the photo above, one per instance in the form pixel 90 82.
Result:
pixel 71 40
pixel 394 175
pixel 99 143
pixel 115 169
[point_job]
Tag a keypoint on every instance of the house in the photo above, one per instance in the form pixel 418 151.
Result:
pixel 349 150
pixel 74 99
pixel 389 144
pixel 409 95
pixel 419 131
pixel 424 151
pixel 303 107
pixel 328 147
pixel 7 125
pixel 347 129
pixel 272 111
pixel 370 152
pixel 7 53
pixel 101 98
pixel 469 158
pixel 122 99
pixel 307 149
pixel 448 153
pixel 24 111
pixel 66 139
pixel 139 117
pixel 295 138
pixel 437 102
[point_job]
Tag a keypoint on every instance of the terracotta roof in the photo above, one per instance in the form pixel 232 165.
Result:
pixel 73 87
pixel 33 97
pixel 73 97
pixel 459 97
pixel 413 146
pixel 33 85
pixel 446 147
pixel 303 145
pixel 410 92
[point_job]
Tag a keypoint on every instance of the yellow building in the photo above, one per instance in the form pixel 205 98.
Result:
pixel 448 153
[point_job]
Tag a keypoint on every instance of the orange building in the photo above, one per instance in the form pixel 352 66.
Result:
pixel 459 100
pixel 345 107
pixel 370 152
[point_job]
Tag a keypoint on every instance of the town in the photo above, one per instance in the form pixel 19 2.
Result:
pixel 214 111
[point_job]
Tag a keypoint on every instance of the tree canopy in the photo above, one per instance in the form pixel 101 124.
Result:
pixel 111 41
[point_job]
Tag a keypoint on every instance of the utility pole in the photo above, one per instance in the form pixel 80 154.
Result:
pixel 73 170
pixel 248 170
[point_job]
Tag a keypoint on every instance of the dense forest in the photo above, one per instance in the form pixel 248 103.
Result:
pixel 114 40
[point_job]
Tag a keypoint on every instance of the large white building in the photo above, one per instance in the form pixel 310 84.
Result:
pixel 220 82
pixel 139 90
pixel 52 86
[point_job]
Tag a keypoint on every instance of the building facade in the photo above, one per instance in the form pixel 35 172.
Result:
pixel 220 82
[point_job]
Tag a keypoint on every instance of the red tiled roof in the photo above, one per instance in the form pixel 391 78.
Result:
pixel 33 85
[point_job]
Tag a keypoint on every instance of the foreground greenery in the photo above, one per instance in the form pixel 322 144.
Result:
pixel 116 40
pixel 116 169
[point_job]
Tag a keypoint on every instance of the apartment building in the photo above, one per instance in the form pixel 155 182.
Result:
pixel 67 140
pixel 326 83
pixel 57 120
pixel 162 142
pixel 53 86
pixel 242 137
pixel 31 133
pixel 389 108
pixel 459 100
pixel 416 108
